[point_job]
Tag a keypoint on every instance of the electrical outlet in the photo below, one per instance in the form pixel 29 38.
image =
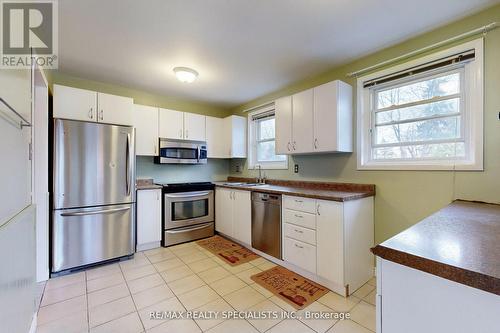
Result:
pixel 296 168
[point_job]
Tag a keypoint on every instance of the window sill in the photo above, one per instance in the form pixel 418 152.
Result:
pixel 270 166
pixel 424 166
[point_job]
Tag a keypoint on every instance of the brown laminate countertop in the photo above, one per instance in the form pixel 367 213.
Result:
pixel 316 190
pixel 461 243
pixel 146 184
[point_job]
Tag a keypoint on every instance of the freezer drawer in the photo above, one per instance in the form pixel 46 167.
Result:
pixel 89 235
pixel 185 234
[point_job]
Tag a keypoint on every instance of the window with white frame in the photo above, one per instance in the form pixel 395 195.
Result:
pixel 262 141
pixel 424 115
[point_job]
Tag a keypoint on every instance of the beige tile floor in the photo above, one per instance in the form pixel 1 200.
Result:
pixel 119 297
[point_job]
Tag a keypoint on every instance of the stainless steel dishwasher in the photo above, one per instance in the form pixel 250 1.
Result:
pixel 266 223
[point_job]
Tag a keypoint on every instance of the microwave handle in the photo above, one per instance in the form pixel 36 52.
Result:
pixel 199 154
pixel 187 195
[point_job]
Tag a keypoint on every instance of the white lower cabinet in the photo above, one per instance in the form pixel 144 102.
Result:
pixel 405 294
pixel 233 214
pixel 148 219
pixel 329 239
pixel 301 254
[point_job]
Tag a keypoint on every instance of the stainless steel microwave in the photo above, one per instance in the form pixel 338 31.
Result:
pixel 181 152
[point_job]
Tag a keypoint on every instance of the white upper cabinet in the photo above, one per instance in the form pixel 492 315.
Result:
pixel 333 117
pixel 227 137
pixel 216 138
pixel 171 124
pixel 145 119
pixel 315 120
pixel 194 127
pixel 283 125
pixel 114 109
pixel 236 129
pixel 302 122
pixel 87 105
pixel 74 103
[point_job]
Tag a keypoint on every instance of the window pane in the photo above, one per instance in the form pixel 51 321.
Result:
pixel 444 85
pixel 424 110
pixel 266 129
pixel 442 150
pixel 266 152
pixel 434 129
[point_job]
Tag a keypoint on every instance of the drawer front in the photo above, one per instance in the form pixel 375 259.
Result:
pixel 299 233
pixel 302 204
pixel 300 254
pixel 299 218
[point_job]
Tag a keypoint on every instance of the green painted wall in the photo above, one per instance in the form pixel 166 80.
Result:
pixel 405 197
pixel 140 97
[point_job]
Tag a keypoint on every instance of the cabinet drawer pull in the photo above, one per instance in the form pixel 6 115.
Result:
pixel 297 245
pixel 299 231
pixel 299 216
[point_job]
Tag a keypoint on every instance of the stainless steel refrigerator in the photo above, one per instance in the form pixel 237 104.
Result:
pixel 93 193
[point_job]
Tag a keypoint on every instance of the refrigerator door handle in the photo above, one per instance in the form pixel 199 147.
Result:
pixel 96 212
pixel 127 166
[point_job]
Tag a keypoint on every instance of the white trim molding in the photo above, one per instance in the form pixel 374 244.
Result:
pixel 473 109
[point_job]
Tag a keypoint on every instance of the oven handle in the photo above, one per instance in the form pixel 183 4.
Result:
pixel 188 194
pixel 178 231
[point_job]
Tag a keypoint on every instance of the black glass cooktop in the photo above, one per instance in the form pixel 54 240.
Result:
pixel 187 187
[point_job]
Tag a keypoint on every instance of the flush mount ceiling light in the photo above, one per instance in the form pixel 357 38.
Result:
pixel 185 74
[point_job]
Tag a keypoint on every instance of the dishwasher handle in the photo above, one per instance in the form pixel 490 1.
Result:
pixel 267 198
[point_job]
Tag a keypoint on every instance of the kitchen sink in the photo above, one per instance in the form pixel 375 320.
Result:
pixel 244 184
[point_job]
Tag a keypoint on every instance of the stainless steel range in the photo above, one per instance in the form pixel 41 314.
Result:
pixel 188 212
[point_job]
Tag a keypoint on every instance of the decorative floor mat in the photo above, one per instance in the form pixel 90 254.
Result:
pixel 232 253
pixel 289 286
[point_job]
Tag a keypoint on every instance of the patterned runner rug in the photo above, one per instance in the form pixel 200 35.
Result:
pixel 232 253
pixel 289 286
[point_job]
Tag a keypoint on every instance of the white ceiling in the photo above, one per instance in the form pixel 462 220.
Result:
pixel 242 49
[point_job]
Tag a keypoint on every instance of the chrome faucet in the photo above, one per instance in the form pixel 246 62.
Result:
pixel 260 179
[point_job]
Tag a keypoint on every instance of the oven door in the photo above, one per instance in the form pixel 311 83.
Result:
pixel 188 208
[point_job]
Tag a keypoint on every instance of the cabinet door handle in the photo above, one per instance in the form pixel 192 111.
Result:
pixel 288 146
pixel 299 201
pixel 317 209
pixel 187 136
pixel 102 114
pixel 294 145
pixel 155 148
pixel 299 231
pixel 315 143
pixel 180 134
pixel 297 245
pixel 91 113
pixel 299 216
